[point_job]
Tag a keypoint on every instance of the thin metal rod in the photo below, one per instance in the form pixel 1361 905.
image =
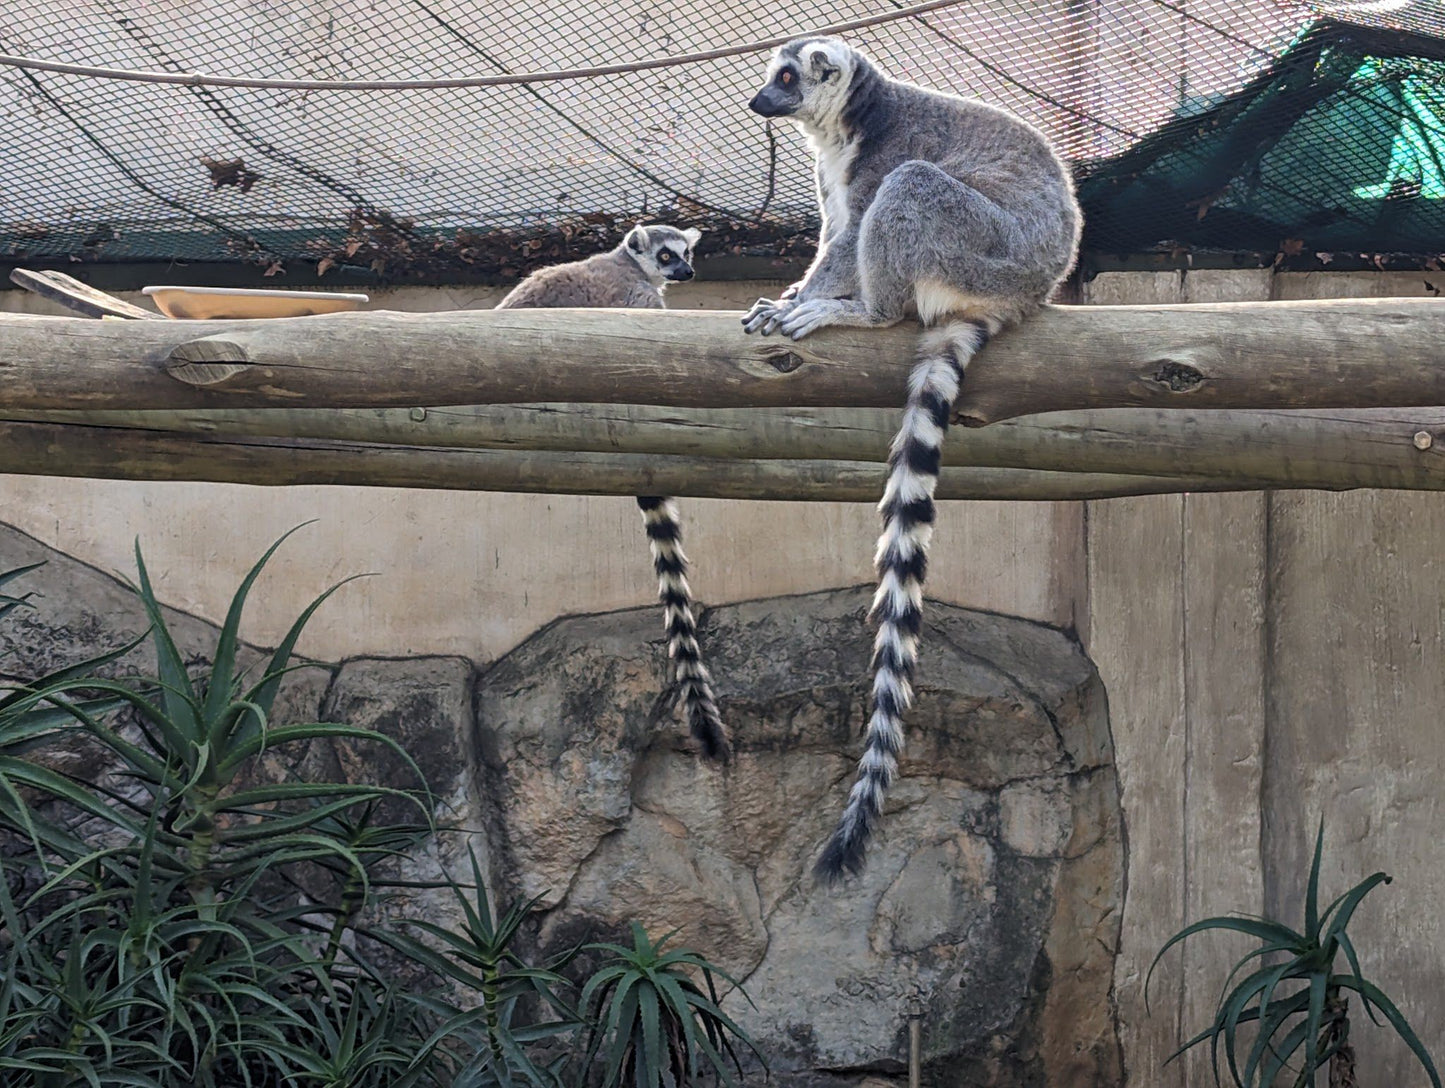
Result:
pixel 915 1051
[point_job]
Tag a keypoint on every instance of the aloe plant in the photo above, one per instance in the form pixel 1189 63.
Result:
pixel 1294 994
pixel 171 923
pixel 163 943
pixel 657 1026
pixel 515 1006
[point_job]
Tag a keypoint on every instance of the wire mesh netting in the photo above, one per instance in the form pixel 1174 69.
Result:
pixel 1233 125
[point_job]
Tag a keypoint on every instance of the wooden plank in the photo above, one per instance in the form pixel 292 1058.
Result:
pixel 1225 549
pixel 84 299
pixel 1356 685
pixel 1135 637
pixel 1224 572
pixel 1297 285
pixel 1332 354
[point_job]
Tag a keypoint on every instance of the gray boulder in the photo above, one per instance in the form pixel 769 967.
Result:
pixel 991 899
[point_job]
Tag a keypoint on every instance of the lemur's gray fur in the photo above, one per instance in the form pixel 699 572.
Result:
pixel 935 206
pixel 635 274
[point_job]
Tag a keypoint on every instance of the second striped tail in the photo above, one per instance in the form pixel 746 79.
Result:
pixel 664 535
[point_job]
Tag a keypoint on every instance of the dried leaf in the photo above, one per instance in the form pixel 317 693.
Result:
pixel 323 265
pixel 230 172
pixel 1206 202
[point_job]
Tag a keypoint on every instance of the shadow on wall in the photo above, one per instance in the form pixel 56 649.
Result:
pixel 992 896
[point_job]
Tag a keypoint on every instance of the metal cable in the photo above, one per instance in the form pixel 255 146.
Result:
pixel 201 79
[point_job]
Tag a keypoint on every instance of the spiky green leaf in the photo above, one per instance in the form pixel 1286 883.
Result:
pixel 1396 1018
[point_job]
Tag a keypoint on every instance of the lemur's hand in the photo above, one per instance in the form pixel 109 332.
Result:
pixel 805 317
pixel 766 315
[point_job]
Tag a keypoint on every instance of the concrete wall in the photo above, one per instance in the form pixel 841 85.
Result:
pixel 1270 659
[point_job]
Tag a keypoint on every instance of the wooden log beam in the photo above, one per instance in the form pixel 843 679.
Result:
pixel 49 449
pixel 1339 353
pixel 1383 447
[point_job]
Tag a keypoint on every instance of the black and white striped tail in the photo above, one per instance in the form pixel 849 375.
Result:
pixel 664 534
pixel 902 561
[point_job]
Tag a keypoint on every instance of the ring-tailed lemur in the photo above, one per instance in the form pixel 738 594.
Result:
pixel 634 275
pixel 932 205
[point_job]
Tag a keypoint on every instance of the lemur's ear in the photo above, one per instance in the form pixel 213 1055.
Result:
pixel 692 234
pixel 820 67
pixel 637 239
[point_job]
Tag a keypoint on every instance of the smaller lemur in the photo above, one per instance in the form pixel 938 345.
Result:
pixel 635 274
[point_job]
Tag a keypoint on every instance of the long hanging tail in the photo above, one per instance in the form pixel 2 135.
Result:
pixel 664 534
pixel 902 561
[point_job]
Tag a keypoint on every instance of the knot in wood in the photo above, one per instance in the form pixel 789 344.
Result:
pixel 210 360
pixel 1179 377
pixel 785 362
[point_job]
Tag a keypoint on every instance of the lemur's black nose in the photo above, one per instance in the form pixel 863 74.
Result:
pixel 763 105
pixel 683 272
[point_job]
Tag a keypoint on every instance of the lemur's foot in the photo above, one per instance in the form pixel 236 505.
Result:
pixel 766 315
pixel 806 317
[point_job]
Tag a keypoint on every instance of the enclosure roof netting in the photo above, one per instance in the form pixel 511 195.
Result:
pixel 1338 148
pixel 1229 125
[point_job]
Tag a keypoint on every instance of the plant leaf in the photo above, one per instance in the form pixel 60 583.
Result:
pixel 1312 1026
pixel 1263 929
pixel 223 668
pixel 1348 904
pixel 1397 1019
pixel 1312 889
pixel 1354 961
pixel 177 692
pixel 264 693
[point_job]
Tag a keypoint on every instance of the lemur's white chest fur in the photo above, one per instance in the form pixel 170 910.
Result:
pixel 835 159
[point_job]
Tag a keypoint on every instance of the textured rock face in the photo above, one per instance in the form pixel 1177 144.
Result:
pixel 992 896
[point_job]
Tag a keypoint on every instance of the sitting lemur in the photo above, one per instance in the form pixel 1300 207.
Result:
pixel 635 274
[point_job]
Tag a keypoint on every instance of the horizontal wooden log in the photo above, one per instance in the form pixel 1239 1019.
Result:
pixel 1384 447
pixel 49 449
pixel 1340 353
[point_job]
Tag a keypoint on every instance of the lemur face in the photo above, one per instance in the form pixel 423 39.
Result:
pixel 663 253
pixel 807 81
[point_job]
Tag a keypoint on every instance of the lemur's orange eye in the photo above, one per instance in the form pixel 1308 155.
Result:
pixel 786 79
pixel 664 257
